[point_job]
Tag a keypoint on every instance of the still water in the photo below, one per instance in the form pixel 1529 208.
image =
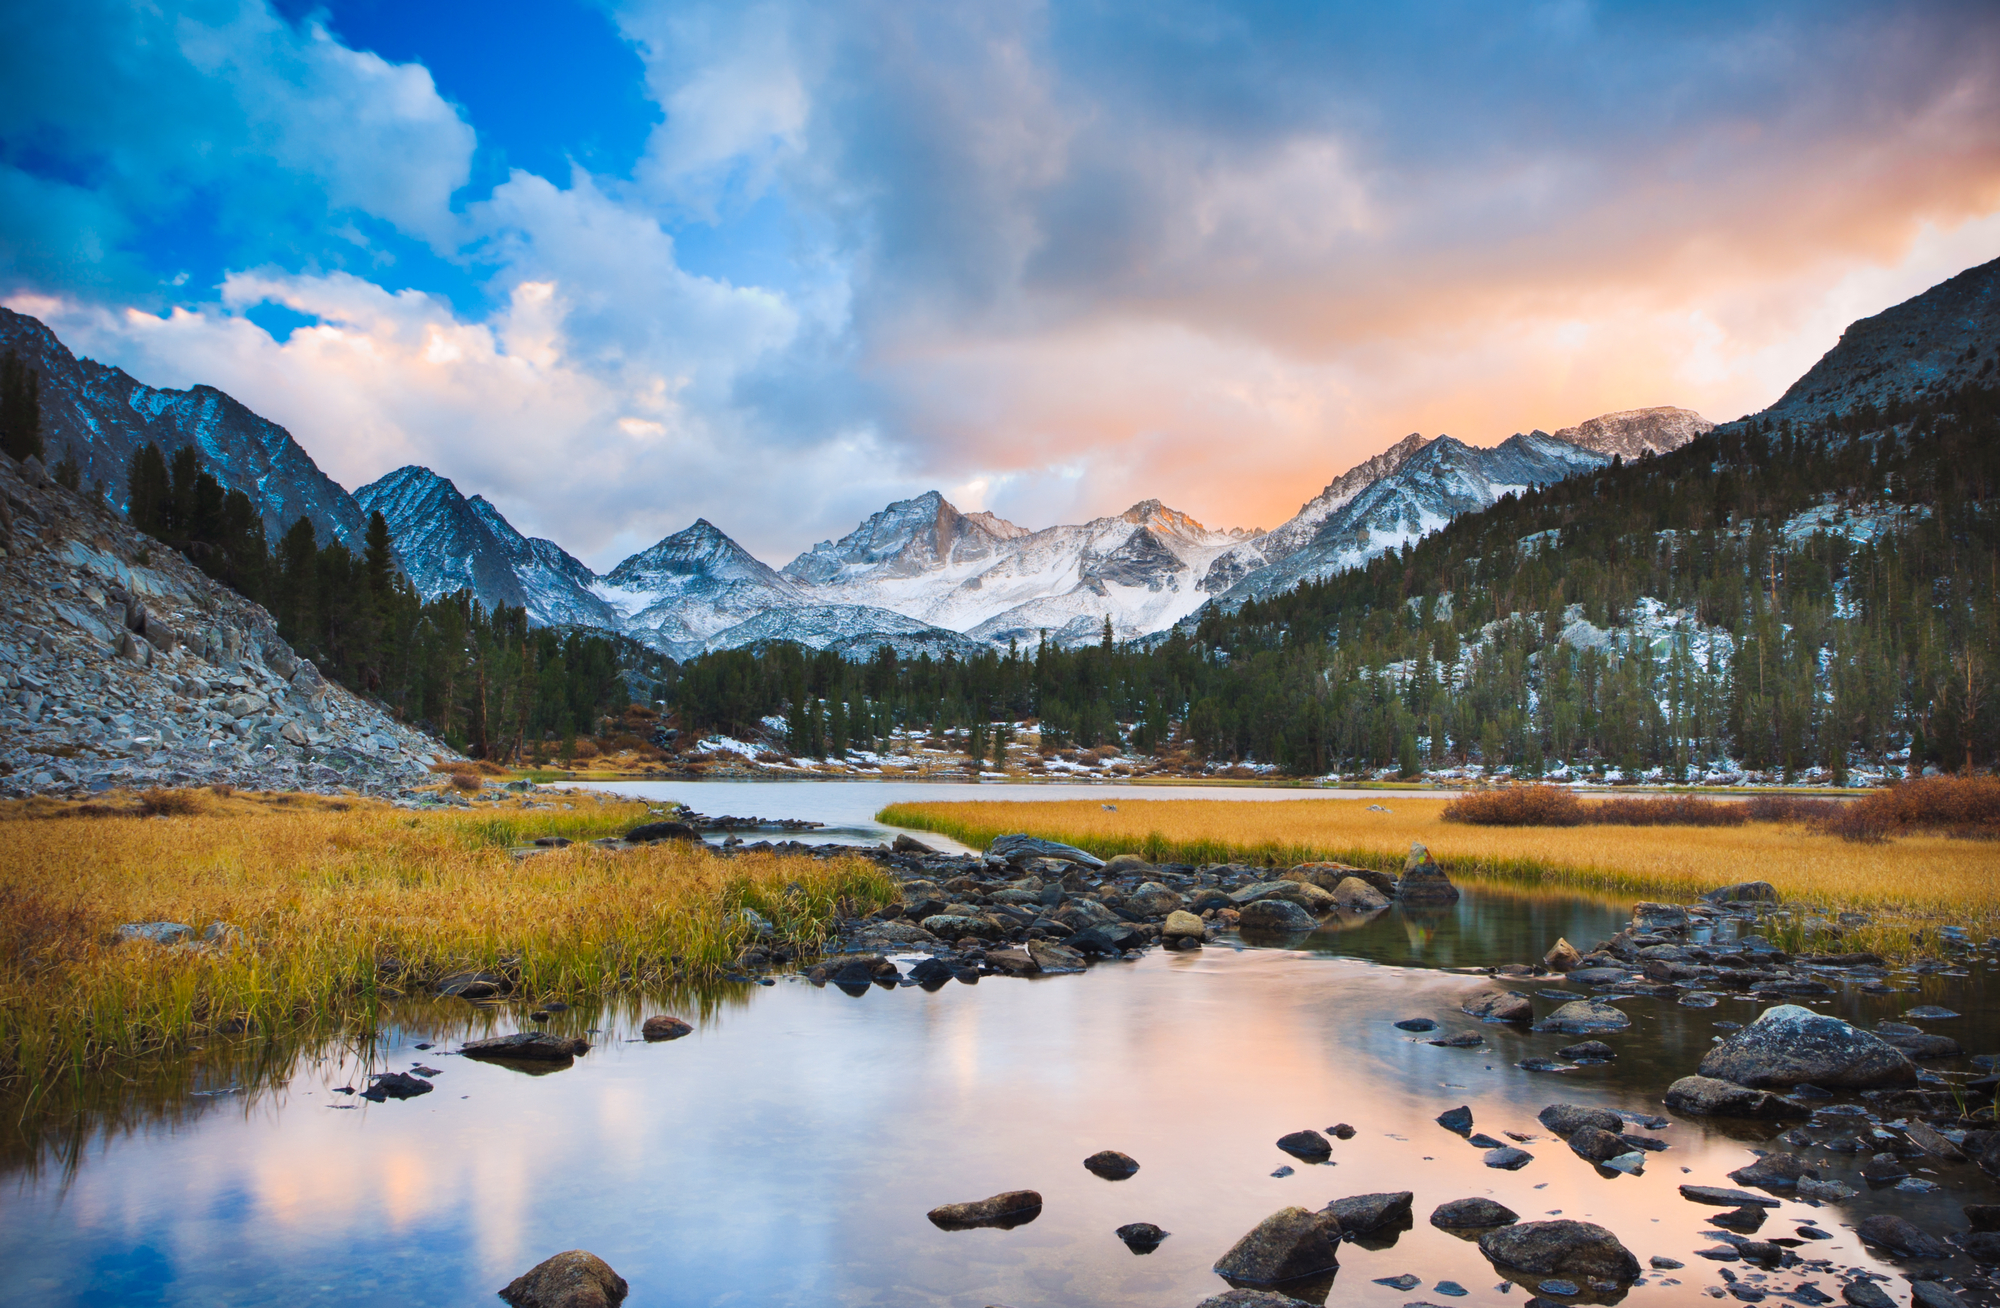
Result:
pixel 786 1153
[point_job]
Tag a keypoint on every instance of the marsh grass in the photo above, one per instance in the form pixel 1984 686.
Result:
pixel 1906 885
pixel 329 909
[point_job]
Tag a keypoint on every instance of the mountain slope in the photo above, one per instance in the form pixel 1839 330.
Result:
pixel 450 543
pixel 908 538
pixel 691 585
pixel 1931 343
pixel 100 416
pixel 1635 433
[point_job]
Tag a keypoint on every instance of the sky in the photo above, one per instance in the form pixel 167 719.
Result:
pixel 620 265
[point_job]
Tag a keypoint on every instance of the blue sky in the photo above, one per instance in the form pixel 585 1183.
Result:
pixel 620 265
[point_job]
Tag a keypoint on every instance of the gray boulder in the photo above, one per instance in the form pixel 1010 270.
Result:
pixel 1471 1214
pixel 1362 1213
pixel 1649 918
pixel 1021 848
pixel 1566 1120
pixel 1505 1006
pixel 1900 1236
pixel 528 1047
pixel 1743 892
pixel 569 1280
pixel 1584 1017
pixel 1356 896
pixel 153 933
pixel 1276 916
pixel 1561 1248
pixel 1703 1096
pixel 1790 1045
pixel 1245 1298
pixel 1289 1244
pixel 1424 882
pixel 1595 1145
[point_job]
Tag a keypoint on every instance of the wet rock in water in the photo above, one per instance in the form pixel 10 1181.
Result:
pixel 652 832
pixel 1012 962
pixel 1982 1217
pixel 1182 924
pixel 1929 1294
pixel 1123 865
pixel 1595 1050
pixel 1772 1172
pixel 1403 1282
pixel 1719 1197
pixel 1111 1165
pixel 528 1047
pixel 1930 1013
pixel 1507 1006
pixel 1310 1146
pixel 1424 882
pixel 1866 1294
pixel 1247 1298
pixel 396 1085
pixel 1983 1246
pixel 1357 896
pixel 1463 1040
pixel 1743 892
pixel 1883 1169
pixel 1561 1247
pixel 1362 1213
pixel 1900 1236
pixel 1286 1246
pixel 956 926
pixel 930 974
pixel 1745 1219
pixel 1566 1120
pixel 1583 1017
pixel 1019 849
pixel 1154 899
pixel 908 844
pixel 1923 1045
pixel 1141 1237
pixel 1650 919
pixel 1276 916
pixel 1595 1145
pixel 1659 1264
pixel 1508 1159
pixel 664 1027
pixel 1006 1210
pixel 473 985
pixel 1416 1024
pixel 1704 1096
pixel 575 1279
pixel 1341 1131
pixel 153 933
pixel 1472 1214
pixel 1789 1044
pixel 1456 1119
pixel 1054 958
pixel 1562 956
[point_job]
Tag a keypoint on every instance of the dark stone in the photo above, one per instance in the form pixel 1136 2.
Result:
pixel 1899 1236
pixel 1310 1146
pixel 1596 1049
pixel 1111 1165
pixel 930 973
pixel 1984 1246
pixel 1463 1040
pixel 1772 1172
pixel 1983 1217
pixel 1018 849
pixel 1596 1146
pixel 569 1280
pixel 1506 1006
pixel 1745 1219
pixel 1566 1120
pixel 1469 1214
pixel 1141 1237
pixel 1866 1294
pixel 1583 1017
pixel 1288 1245
pixel 1718 1197
pixel 1424 882
pixel 1456 1119
pixel 1788 1044
pixel 665 1028
pixel 908 844
pixel 528 1047
pixel 648 832
pixel 1341 1131
pixel 396 1085
pixel 1275 916
pixel 473 985
pixel 1744 892
pixel 1006 1210
pixel 1363 1213
pixel 1508 1159
pixel 1561 1247
pixel 1242 1297
pixel 1416 1024
pixel 1707 1097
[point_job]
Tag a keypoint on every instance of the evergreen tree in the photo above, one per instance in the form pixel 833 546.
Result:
pixel 148 492
pixel 20 409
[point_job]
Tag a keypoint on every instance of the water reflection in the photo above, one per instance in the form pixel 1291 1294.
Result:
pixel 789 1150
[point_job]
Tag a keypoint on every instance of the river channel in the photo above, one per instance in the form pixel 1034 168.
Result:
pixel 786 1153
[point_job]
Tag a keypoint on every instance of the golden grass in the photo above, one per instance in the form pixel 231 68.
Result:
pixel 1905 883
pixel 342 904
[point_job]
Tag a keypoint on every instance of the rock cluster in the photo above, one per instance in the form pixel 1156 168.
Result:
pixel 121 665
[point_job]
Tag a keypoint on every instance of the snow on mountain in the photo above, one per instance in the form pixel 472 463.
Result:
pixel 907 539
pixel 1432 486
pixel 852 630
pixel 450 543
pixel 690 586
pixel 1635 433
pixel 100 417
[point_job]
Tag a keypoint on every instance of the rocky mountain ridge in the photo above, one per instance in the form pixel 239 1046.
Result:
pixel 123 665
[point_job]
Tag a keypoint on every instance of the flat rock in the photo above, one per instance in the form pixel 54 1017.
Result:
pixel 652 832
pixel 1703 1096
pixel 1286 1246
pixel 1470 1214
pixel 1593 1049
pixel 1507 1006
pixel 1584 1017
pixel 1416 1024
pixel 1007 1209
pixel 1276 916
pixel 153 933
pixel 1507 1158
pixel 1789 1044
pixel 1866 1294
pixel 528 1047
pixel 1561 1247
pixel 1111 1165
pixel 1021 848
pixel 1247 1298
pixel 1566 1120
pixel 575 1279
pixel 1900 1236
pixel 1359 1214
pixel 665 1028
pixel 1721 1197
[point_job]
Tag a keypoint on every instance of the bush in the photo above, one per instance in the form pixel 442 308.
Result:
pixel 467 781
pixel 1516 806
pixel 169 803
pixel 1966 807
pixel 1790 808
pixel 1669 811
pixel 585 748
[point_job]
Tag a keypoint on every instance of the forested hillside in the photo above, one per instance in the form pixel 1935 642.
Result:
pixel 1771 597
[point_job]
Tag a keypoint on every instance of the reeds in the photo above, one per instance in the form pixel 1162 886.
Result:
pixel 320 916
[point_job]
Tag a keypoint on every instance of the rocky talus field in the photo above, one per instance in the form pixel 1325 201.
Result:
pixel 123 665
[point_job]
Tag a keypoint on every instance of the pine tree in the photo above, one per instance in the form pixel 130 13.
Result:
pixel 148 491
pixel 20 409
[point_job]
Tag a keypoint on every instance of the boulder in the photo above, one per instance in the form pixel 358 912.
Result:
pixel 1788 1045
pixel 1289 1244
pixel 1013 962
pixel 665 1028
pixel 1584 1017
pixel 1929 1294
pixel 908 844
pixel 1356 896
pixel 1900 1236
pixel 1595 1145
pixel 528 1047
pixel 1106 938
pixel 1303 893
pixel 1562 1247
pixel 1359 1214
pixel 569 1280
pixel 1457 1119
pixel 1052 957
pixel 1703 1096
pixel 647 833
pixel 396 1085
pixel 1743 892
pixel 1276 916
pixel 1982 1217
pixel 1019 849
pixel 1507 1158
pixel 1308 1145
pixel 1649 918
pixel 956 926
pixel 1779 1171
pixel 1984 1246
pixel 1566 1120
pixel 473 985
pixel 1562 956
pixel 1008 1209
pixel 1181 924
pixel 1153 899
pixel 1506 1006
pixel 1590 1049
pixel 1470 1214
pixel 1126 865
pixel 1111 1165
pixel 1424 882
pixel 1141 1236
pixel 930 973
pixel 1246 1298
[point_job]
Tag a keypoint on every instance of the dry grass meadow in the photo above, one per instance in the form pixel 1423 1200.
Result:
pixel 1906 882
pixel 341 904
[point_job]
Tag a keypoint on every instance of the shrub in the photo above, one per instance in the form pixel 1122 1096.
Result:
pixel 169 803
pixel 1967 807
pixel 1790 808
pixel 467 781
pixel 586 748
pixel 1516 806
pixel 1667 811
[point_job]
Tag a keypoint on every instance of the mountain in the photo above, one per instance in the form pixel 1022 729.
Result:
pixel 1637 433
pixel 100 416
pixel 853 631
pixel 691 586
pixel 450 543
pixel 1930 344
pixel 907 539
